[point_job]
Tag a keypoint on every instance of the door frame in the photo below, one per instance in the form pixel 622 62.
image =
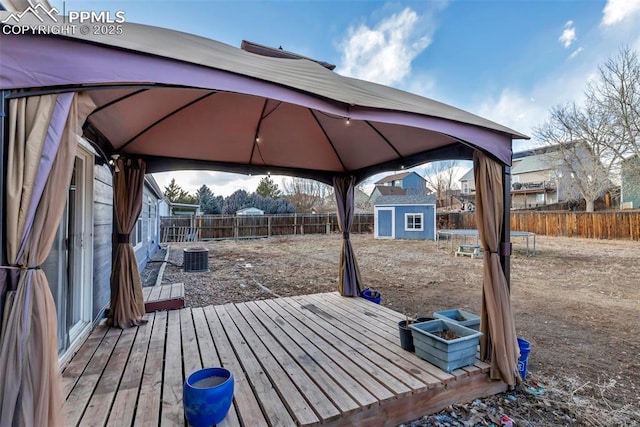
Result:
pixel 377 210
pixel 83 268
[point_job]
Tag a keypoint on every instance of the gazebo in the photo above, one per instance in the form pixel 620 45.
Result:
pixel 151 100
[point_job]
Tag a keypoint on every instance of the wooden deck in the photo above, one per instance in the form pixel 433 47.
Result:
pixel 163 297
pixel 306 360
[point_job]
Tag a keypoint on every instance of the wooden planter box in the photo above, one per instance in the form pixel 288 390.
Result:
pixel 447 355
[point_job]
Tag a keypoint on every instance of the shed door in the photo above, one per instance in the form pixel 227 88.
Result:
pixel 384 224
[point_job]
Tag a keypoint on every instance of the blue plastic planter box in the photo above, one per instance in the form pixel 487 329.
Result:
pixel 447 355
pixel 462 317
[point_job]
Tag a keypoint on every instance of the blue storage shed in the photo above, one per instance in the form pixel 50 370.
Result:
pixel 405 217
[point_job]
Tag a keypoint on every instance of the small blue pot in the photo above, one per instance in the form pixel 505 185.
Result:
pixel 207 396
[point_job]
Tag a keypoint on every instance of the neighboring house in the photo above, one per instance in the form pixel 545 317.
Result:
pixel 409 183
pixel 630 177
pixel 176 208
pixel 537 179
pixel 249 211
pixel 467 184
pixel 405 217
pixel 382 190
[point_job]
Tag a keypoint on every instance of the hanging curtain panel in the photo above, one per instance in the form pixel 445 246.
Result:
pixel 30 393
pixel 498 344
pixel 349 280
pixel 127 304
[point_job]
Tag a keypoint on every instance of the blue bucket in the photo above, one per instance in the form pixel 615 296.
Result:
pixel 371 295
pixel 523 360
pixel 207 396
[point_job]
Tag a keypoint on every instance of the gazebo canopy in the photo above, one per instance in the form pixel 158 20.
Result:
pixel 180 101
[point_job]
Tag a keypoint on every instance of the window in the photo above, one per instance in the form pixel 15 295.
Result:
pixel 413 222
pixel 465 187
pixel 540 198
pixel 149 219
pixel 136 235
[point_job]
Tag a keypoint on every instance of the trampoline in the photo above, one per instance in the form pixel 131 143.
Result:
pixel 473 235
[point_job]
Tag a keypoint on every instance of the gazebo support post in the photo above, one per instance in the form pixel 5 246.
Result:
pixel 505 240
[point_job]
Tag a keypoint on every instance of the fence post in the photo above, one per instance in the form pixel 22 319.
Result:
pixel 235 228
pixel 269 226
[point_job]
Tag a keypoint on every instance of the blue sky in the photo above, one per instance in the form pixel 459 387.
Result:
pixel 508 61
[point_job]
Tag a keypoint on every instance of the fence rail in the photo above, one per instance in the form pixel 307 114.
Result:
pixel 218 227
pixel 624 225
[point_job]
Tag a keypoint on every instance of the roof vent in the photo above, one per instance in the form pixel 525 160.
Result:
pixel 196 260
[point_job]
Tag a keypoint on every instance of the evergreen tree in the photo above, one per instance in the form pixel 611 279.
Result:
pixel 209 204
pixel 268 188
pixel 238 200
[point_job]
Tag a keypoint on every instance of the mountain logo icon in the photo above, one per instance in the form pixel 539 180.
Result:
pixel 38 10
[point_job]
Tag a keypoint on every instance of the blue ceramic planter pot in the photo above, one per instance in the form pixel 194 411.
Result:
pixel 207 396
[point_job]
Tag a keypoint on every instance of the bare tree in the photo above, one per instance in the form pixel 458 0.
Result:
pixel 307 195
pixel 617 92
pixel 580 141
pixel 440 177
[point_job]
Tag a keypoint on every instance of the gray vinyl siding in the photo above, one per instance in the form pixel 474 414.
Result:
pixel 102 235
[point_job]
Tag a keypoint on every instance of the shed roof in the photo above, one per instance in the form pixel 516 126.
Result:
pixel 406 200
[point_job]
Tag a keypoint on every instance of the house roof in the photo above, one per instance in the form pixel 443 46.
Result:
pixel 386 190
pixel 249 209
pixel 391 178
pixel 534 163
pixel 406 200
pixel 467 176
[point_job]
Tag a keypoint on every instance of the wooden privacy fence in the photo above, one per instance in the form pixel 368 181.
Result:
pixel 216 227
pixel 623 225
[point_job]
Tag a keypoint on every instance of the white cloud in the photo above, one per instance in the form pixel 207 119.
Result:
pixel 616 11
pixel 383 53
pixel 576 52
pixel 568 36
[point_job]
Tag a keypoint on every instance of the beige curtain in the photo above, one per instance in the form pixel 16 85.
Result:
pixel 127 304
pixel 30 393
pixel 498 344
pixel 349 279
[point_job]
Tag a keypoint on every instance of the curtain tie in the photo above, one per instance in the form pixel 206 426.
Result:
pixel 345 235
pixel 123 238
pixel 19 267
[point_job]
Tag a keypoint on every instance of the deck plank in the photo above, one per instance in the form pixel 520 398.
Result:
pixel 165 292
pixel 414 369
pixel 387 373
pixel 148 409
pixel 124 404
pixel 104 394
pixel 177 290
pixel 79 396
pixel 74 370
pixel 154 295
pixel 337 351
pixel 305 360
pixel 190 353
pixel 305 341
pixel 146 291
pixel 292 397
pixel 328 398
pixel 250 377
pixel 171 408
pixel 364 307
pixel 389 346
pixel 210 359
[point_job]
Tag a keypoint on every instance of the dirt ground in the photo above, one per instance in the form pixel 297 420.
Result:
pixel 577 301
